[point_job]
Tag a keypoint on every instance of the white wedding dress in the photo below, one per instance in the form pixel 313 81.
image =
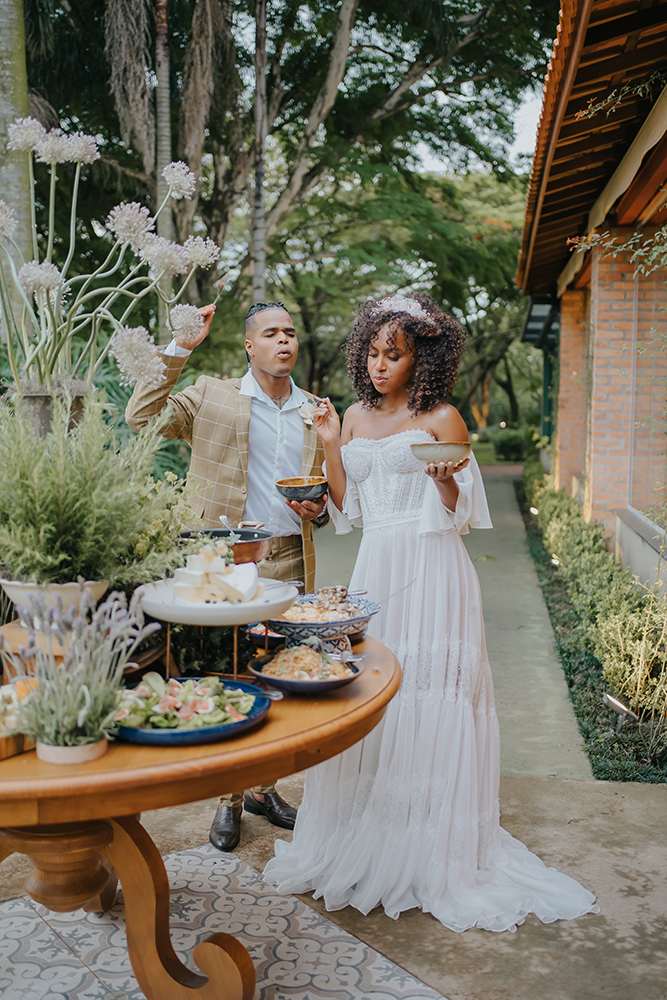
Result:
pixel 410 816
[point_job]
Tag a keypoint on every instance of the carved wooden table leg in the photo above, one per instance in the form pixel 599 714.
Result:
pixel 72 864
pixel 231 974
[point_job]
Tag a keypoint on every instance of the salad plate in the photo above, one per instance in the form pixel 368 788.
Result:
pixel 173 737
pixel 157 599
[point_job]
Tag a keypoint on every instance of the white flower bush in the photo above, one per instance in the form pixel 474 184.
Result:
pixel 186 323
pixel 35 278
pixel 69 324
pixel 203 253
pixel 137 357
pixel 182 182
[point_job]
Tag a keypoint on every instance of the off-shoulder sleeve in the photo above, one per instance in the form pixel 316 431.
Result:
pixel 350 516
pixel 472 510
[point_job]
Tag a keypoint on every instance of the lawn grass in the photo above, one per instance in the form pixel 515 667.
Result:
pixel 639 751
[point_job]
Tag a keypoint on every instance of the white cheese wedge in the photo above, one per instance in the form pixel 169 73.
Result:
pixel 189 593
pixel 189 576
pixel 197 564
pixel 239 585
pixel 218 565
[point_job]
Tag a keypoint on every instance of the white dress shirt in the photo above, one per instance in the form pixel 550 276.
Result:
pixel 275 451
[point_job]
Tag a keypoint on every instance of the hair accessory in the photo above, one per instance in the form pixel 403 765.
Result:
pixel 401 304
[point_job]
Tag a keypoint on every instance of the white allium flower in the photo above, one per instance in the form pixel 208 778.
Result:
pixel 137 357
pixel 36 277
pixel 82 148
pixel 130 223
pixel 201 252
pixel 25 133
pixel 163 256
pixel 187 323
pixel 180 179
pixel 8 221
pixel 53 147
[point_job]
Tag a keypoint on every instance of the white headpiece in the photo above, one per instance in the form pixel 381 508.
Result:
pixel 401 304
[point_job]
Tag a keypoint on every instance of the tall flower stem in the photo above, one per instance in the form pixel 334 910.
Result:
pixel 52 213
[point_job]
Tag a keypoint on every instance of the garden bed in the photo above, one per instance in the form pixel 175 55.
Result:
pixel 639 751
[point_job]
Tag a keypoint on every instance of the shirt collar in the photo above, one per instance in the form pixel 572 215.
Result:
pixel 251 387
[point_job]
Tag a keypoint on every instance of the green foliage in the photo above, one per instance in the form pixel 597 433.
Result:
pixel 509 445
pixel 78 503
pixel 622 623
pixel 639 751
pixel 198 650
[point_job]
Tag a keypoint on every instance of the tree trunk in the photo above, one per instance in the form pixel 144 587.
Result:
pixel 480 410
pixel 507 384
pixel 14 176
pixel 165 222
pixel 261 128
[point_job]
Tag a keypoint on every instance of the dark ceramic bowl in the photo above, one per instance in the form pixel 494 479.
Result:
pixel 259 638
pixel 302 487
pixel 252 546
pixel 256 667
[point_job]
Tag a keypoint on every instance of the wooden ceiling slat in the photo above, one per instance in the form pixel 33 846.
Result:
pixel 599 35
pixel 649 55
pixel 586 126
pixel 577 187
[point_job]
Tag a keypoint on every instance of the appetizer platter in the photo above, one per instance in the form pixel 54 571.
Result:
pixel 188 710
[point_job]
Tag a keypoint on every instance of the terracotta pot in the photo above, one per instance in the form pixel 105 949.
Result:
pixel 69 593
pixel 71 755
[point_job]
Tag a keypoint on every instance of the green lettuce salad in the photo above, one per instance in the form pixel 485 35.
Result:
pixel 192 704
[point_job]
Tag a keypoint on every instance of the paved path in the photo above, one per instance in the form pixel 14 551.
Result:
pixel 538 731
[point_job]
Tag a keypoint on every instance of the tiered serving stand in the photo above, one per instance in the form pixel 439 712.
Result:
pixel 159 602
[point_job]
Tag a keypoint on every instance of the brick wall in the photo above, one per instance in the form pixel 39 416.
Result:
pixel 609 385
pixel 571 414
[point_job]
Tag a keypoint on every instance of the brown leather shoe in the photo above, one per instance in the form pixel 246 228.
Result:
pixel 276 810
pixel 225 831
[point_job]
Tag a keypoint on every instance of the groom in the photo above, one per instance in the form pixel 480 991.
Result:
pixel 245 434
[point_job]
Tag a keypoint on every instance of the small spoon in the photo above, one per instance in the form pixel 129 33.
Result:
pixel 224 520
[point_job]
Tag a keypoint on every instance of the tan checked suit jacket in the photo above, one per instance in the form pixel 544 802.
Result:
pixel 214 419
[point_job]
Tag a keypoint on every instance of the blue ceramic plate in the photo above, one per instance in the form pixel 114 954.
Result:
pixel 302 687
pixel 207 734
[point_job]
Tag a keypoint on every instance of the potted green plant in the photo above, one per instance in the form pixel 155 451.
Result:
pixel 80 505
pixel 60 333
pixel 70 711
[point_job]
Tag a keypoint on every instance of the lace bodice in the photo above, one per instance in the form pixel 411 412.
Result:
pixel 386 477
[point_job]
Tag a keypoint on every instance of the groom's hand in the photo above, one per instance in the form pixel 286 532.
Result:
pixel 309 509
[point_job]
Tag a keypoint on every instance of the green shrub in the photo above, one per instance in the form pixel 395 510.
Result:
pixel 77 502
pixel 509 445
pixel 620 622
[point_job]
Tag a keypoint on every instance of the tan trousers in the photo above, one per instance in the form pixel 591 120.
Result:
pixel 284 562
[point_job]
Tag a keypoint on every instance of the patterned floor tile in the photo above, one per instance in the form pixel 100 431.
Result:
pixel 36 964
pixel 298 954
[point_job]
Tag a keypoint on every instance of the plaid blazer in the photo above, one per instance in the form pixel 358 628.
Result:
pixel 214 419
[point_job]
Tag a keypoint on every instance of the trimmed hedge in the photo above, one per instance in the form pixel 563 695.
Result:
pixel 610 633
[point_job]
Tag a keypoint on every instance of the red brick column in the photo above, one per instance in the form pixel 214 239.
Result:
pixel 571 418
pixel 609 420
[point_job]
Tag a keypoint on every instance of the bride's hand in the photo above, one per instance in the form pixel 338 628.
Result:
pixel 444 470
pixel 327 421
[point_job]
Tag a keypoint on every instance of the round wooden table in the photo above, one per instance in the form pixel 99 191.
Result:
pixel 79 826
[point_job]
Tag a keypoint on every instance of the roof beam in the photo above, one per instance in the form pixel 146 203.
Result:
pixel 651 132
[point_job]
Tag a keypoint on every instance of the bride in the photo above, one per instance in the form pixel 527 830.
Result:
pixel 410 815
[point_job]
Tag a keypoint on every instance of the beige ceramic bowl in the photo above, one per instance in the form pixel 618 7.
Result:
pixel 442 451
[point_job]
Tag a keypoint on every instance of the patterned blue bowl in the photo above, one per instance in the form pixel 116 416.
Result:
pixel 298 631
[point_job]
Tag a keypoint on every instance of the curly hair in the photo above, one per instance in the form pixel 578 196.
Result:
pixel 436 345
